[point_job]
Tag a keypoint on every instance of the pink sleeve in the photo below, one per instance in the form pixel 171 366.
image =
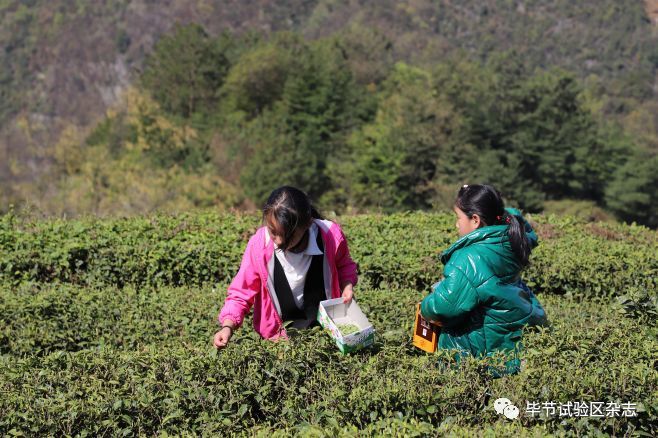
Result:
pixel 344 264
pixel 243 289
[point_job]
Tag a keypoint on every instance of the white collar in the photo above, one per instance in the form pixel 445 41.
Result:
pixel 312 247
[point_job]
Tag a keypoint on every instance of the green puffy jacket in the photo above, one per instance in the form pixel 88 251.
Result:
pixel 482 303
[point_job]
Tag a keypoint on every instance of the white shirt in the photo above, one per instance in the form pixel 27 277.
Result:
pixel 296 265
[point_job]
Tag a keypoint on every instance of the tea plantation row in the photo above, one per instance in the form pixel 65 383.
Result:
pixel 88 361
pixel 105 329
pixel 400 250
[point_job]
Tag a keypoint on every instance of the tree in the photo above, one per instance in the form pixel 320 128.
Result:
pixel 159 139
pixel 632 193
pixel 557 139
pixel 295 139
pixel 368 52
pixel 394 159
pixel 256 80
pixel 186 69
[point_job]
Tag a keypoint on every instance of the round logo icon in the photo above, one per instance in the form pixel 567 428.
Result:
pixel 504 406
pixel 501 404
pixel 511 412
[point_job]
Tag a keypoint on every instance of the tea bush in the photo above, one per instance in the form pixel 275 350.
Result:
pixel 176 383
pixel 106 326
pixel 399 250
pixel 39 319
pixel 157 250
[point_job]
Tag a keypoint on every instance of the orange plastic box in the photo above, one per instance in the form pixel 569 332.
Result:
pixel 426 334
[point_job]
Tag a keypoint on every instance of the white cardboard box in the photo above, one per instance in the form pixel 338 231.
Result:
pixel 333 313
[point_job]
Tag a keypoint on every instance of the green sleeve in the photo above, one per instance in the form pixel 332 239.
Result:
pixel 451 300
pixel 538 316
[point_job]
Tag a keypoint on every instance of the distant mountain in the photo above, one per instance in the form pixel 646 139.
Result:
pixel 66 62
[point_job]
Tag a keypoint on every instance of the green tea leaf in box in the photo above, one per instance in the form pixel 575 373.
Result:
pixel 347 324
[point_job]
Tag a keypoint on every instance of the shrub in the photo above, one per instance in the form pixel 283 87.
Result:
pixel 400 250
pixel 306 385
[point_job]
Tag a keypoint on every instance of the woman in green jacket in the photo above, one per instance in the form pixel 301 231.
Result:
pixel 481 304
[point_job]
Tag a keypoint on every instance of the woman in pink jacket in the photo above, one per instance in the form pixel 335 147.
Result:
pixel 291 264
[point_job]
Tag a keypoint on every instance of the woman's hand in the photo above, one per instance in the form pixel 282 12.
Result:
pixel 223 336
pixel 435 322
pixel 348 293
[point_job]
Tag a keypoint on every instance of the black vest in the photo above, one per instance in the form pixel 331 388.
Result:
pixel 313 291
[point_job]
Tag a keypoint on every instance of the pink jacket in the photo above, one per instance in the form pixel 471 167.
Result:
pixel 252 286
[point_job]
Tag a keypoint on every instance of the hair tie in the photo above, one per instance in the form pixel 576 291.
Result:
pixel 506 218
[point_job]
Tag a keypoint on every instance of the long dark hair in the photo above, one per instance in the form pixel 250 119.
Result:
pixel 290 208
pixel 485 201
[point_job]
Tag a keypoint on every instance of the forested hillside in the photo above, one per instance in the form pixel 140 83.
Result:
pixel 131 106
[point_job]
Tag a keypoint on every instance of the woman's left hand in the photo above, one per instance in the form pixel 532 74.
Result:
pixel 348 293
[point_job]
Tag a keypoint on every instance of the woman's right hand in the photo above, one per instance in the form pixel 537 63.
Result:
pixel 222 337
